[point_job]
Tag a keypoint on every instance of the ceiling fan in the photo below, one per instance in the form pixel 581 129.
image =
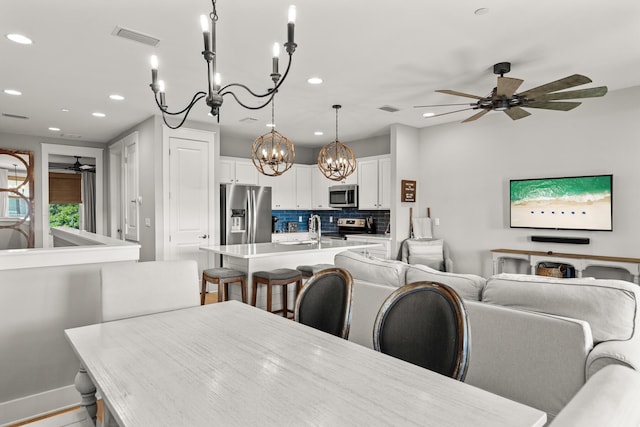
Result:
pixel 503 97
pixel 79 167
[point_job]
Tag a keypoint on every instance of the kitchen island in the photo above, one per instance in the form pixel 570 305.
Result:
pixel 254 257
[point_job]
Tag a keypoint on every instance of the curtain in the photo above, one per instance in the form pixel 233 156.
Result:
pixel 89 201
pixel 4 195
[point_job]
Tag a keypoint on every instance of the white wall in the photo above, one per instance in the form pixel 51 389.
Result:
pixel 467 167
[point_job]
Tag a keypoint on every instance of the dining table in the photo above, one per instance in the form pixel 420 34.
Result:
pixel 231 364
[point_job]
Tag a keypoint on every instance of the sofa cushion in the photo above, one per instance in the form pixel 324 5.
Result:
pixel 382 272
pixel 426 252
pixel 468 286
pixel 609 306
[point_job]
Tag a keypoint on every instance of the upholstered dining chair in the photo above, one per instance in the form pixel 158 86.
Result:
pixel 136 289
pixel 325 302
pixel 425 323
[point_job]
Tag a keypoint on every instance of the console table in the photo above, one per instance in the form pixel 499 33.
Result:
pixel 579 261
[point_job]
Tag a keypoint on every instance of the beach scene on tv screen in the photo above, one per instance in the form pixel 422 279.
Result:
pixel 581 203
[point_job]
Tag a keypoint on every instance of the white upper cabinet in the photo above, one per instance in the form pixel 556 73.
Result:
pixel 237 171
pixel 374 181
pixel 283 189
pixel 303 186
pixel 320 190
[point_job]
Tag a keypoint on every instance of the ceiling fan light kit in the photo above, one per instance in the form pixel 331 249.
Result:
pixel 215 93
pixel 504 98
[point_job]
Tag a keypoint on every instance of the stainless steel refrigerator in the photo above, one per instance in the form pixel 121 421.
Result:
pixel 245 214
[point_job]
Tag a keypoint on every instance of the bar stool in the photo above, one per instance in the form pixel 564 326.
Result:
pixel 278 277
pixel 222 277
pixel 309 270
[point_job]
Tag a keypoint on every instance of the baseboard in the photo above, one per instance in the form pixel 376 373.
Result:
pixel 35 405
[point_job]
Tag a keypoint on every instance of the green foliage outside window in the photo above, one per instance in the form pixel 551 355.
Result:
pixel 64 215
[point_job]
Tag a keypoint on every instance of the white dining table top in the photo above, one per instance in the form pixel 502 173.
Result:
pixel 230 364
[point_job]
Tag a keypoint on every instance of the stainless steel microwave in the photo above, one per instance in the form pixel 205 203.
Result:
pixel 343 196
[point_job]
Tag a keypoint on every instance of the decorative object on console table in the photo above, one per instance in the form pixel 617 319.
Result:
pixel 408 191
pixel 214 95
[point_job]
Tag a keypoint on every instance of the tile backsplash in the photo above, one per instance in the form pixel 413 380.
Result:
pixel 329 218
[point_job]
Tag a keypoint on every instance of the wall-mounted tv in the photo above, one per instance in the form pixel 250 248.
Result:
pixel 568 203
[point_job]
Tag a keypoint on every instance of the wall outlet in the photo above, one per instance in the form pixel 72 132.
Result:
pixel 437 221
pixel 147 222
pixel 330 219
pixel 300 218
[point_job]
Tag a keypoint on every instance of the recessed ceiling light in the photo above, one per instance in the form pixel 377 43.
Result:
pixel 481 11
pixel 318 133
pixel 12 92
pixel 54 129
pixel 19 38
pixel 64 110
pixel 116 97
pixel 428 115
pixel 314 80
pixel 96 114
pixel 271 125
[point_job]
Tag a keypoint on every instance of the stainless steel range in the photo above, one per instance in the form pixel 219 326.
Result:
pixel 348 226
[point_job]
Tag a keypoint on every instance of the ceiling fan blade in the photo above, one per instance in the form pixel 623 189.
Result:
pixel 476 116
pixel 507 86
pixel 450 112
pixel 559 106
pixel 456 93
pixel 441 105
pixel 567 82
pixel 573 94
pixel 516 113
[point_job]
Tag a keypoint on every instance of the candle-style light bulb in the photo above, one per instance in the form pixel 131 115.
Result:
pixel 276 56
pixel 162 94
pixel 154 73
pixel 290 28
pixel 204 23
pixel 216 81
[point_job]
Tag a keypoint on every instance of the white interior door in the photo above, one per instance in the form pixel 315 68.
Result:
pixel 131 188
pixel 188 198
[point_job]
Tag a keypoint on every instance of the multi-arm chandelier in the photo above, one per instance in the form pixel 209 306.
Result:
pixel 272 153
pixel 336 161
pixel 215 94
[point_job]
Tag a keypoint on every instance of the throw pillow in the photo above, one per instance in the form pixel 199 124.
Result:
pixel 427 252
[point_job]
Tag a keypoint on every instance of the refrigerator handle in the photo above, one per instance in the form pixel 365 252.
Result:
pixel 249 216
pixel 254 216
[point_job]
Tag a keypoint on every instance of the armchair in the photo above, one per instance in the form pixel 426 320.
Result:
pixel 433 253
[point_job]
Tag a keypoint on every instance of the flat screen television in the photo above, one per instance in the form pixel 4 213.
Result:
pixel 568 203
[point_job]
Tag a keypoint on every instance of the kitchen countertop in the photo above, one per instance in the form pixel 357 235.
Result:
pixel 258 250
pixel 381 236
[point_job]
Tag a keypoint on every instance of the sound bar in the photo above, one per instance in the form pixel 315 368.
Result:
pixel 552 239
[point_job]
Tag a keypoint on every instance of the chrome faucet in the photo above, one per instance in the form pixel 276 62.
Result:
pixel 314 226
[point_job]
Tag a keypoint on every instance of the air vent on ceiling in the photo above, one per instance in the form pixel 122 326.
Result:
pixel 248 120
pixel 135 36
pixel 14 116
pixel 71 135
pixel 389 109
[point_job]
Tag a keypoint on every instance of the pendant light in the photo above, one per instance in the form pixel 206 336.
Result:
pixel 336 161
pixel 272 153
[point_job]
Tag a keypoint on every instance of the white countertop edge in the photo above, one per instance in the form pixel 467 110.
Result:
pixel 104 249
pixel 261 250
pixel 369 236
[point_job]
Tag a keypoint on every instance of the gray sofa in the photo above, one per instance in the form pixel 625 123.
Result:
pixel 535 340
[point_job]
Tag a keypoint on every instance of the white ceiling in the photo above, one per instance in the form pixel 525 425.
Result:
pixel 369 53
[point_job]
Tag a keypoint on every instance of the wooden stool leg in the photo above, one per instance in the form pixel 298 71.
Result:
pixel 203 290
pixel 285 297
pixel 224 289
pixel 243 286
pixel 269 296
pixel 254 291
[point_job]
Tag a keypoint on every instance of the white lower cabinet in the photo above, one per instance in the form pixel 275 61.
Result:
pixel 383 251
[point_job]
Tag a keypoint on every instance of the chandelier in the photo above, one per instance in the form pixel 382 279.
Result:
pixel 336 161
pixel 272 153
pixel 215 93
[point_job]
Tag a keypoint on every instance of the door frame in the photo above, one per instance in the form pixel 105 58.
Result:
pixel 70 150
pixel 163 246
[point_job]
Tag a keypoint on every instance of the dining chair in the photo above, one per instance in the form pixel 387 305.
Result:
pixel 136 289
pixel 425 323
pixel 325 302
